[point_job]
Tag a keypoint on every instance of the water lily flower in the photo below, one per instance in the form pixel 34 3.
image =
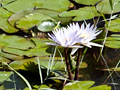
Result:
pixel 75 36
pixel 87 33
pixel 65 37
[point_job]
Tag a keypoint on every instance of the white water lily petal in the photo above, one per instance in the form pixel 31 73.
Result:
pixel 95 44
pixel 73 50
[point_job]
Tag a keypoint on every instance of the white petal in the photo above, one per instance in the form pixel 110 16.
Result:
pixel 54 44
pixel 95 44
pixel 73 50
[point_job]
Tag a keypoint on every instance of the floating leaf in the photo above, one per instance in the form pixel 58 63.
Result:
pixel 4 25
pixel 87 2
pixel 17 64
pixel 105 7
pixel 114 25
pixel 31 20
pixel 81 14
pixel 2 59
pixel 85 85
pixel 2 87
pixel 18 5
pixel 57 5
pixel 47 26
pixel 16 42
pixel 29 66
pixel 40 49
pixel 11 56
pixel 4 76
pixel 113 41
pixel 45 87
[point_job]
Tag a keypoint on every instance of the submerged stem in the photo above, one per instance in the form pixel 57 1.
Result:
pixel 67 64
pixel 78 64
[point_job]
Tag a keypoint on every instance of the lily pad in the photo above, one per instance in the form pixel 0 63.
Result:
pixel 85 85
pixel 17 64
pixel 47 26
pixel 57 5
pixel 40 49
pixel 88 2
pixel 2 59
pixel 11 56
pixel 31 20
pixel 44 61
pixel 105 7
pixel 18 5
pixel 115 25
pixel 4 25
pixel 4 76
pixel 81 14
pixel 16 42
pixel 113 41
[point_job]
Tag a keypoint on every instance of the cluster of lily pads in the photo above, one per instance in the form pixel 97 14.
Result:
pixel 21 49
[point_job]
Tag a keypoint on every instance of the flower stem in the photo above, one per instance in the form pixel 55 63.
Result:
pixel 67 64
pixel 77 64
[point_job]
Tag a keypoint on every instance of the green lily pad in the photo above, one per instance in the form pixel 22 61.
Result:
pixel 2 87
pixel 2 59
pixel 31 20
pixel 47 26
pixel 4 76
pixel 16 42
pixel 18 5
pixel 81 14
pixel 57 5
pixel 85 85
pixel 113 41
pixel 88 2
pixel 4 25
pixel 44 61
pixel 105 7
pixel 11 56
pixel 114 25
pixel 45 87
pixel 40 49
pixel 17 64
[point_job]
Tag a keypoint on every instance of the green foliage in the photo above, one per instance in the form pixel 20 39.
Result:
pixel 15 42
pixel 9 80
pixel 57 5
pixel 31 20
pixel 113 41
pixel 47 26
pixel 26 19
pixel 4 15
pixel 114 25
pixel 81 14
pixel 87 2
pixel 85 85
pixel 105 6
